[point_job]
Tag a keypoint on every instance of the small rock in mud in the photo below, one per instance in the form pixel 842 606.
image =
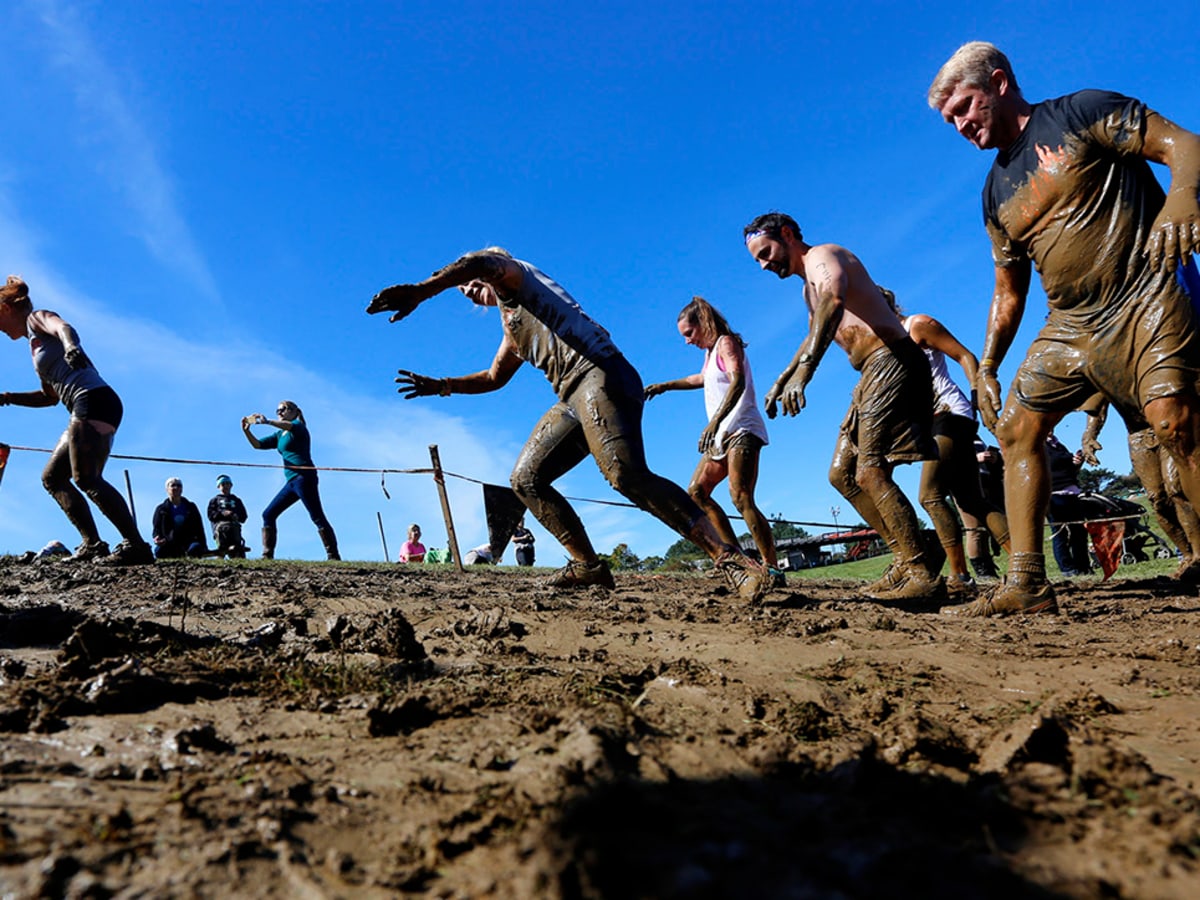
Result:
pixel 197 737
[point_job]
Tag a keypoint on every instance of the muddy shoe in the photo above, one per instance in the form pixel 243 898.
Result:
pixel 915 584
pixel 891 578
pixel 778 579
pixel 749 579
pixel 127 554
pixel 577 574
pixel 1188 571
pixel 1010 599
pixel 89 550
pixel 961 587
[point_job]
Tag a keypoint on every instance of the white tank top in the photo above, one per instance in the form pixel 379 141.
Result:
pixel 948 397
pixel 745 415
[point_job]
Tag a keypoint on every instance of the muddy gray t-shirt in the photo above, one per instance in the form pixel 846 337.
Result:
pixel 552 332
pixel 1074 195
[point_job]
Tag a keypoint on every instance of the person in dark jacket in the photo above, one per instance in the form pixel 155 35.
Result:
pixel 178 528
pixel 226 514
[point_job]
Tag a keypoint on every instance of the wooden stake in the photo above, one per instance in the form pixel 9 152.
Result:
pixel 441 486
pixel 129 491
pixel 382 538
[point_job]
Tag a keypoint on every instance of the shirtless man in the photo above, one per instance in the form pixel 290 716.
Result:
pixel 1071 192
pixel 891 411
pixel 599 410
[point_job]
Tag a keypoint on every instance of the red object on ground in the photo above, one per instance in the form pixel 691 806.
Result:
pixel 1107 539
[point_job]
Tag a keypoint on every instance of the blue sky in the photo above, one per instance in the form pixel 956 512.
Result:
pixel 211 193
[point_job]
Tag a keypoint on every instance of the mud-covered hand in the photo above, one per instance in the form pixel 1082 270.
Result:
pixel 414 385
pixel 1175 234
pixel 1091 445
pixel 987 392
pixel 771 401
pixel 653 390
pixel 708 437
pixel 790 396
pixel 399 300
pixel 76 358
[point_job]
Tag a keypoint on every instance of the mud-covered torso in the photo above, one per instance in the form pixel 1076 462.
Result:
pixel 867 322
pixel 50 363
pixel 551 331
pixel 1074 196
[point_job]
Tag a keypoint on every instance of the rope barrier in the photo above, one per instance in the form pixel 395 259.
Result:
pixel 428 471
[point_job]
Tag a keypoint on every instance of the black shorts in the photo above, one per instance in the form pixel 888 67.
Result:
pixel 99 405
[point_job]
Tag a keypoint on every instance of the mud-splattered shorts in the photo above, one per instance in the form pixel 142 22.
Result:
pixel 1147 350
pixel 891 411
pixel 742 442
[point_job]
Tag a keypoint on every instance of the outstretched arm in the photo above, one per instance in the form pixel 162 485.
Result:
pixel 688 383
pixel 1008 305
pixel 402 299
pixel 503 367
pixel 36 399
pixel 1175 234
pixel 826 294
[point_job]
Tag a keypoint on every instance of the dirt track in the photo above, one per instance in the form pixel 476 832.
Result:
pixel 332 730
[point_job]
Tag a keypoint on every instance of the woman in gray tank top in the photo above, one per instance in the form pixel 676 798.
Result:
pixel 67 375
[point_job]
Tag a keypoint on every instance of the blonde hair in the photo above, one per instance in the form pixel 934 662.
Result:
pixel 971 65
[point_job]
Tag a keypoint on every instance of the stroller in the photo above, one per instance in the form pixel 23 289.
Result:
pixel 1139 542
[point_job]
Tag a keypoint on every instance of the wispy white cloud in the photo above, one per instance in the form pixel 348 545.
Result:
pixel 122 150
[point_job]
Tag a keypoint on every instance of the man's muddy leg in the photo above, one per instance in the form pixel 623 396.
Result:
pixel 843 476
pixel 1148 465
pixel 1176 422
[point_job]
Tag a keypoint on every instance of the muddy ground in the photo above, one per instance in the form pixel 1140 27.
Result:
pixel 340 730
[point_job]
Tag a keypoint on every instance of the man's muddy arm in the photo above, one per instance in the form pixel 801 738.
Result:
pixel 823 325
pixel 1175 234
pixel 1004 318
pixel 503 367
pixel 1096 409
pixel 402 299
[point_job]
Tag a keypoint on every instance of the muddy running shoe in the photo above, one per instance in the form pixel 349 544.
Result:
pixel 778 579
pixel 577 574
pixel 127 554
pixel 752 581
pixel 891 578
pixel 915 584
pixel 90 550
pixel 961 586
pixel 1010 599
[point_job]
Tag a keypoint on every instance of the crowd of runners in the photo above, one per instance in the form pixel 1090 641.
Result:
pixel 1071 192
